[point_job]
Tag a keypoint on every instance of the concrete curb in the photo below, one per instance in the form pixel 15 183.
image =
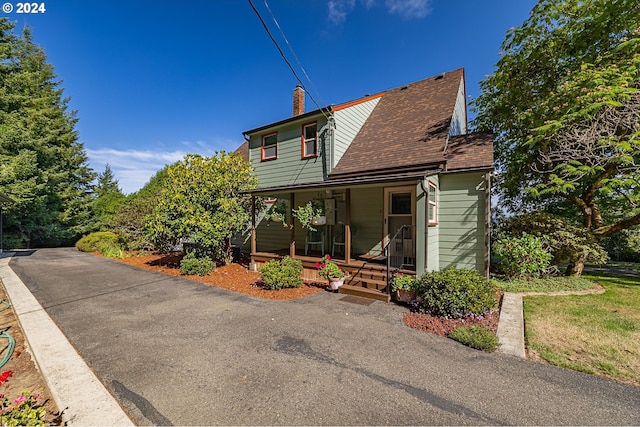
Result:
pixel 73 385
pixel 511 325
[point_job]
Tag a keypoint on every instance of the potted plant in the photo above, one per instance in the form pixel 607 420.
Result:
pixel 310 214
pixel 404 286
pixel 330 271
pixel 278 212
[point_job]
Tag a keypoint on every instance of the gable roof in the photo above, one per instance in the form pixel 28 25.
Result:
pixel 408 128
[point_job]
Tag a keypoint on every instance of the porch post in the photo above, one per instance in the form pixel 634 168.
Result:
pixel 253 231
pixel 347 227
pixel 292 230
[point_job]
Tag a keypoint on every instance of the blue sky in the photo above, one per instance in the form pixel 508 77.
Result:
pixel 152 80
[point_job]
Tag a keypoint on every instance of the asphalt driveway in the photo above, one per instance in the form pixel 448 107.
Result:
pixel 179 352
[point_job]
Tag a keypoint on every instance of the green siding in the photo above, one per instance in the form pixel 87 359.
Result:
pixel 349 121
pixel 367 217
pixel 462 220
pixel 290 168
pixel 432 232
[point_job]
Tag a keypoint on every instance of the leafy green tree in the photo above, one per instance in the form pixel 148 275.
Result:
pixel 202 203
pixel 43 167
pixel 130 219
pixel 108 199
pixel 563 104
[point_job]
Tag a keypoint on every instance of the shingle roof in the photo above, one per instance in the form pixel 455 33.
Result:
pixel 407 129
pixel 243 150
pixel 474 150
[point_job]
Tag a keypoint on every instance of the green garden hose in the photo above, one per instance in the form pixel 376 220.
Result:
pixel 5 304
pixel 8 348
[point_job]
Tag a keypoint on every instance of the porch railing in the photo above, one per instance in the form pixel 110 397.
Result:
pixel 399 252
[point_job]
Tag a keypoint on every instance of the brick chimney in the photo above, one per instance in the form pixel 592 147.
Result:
pixel 298 101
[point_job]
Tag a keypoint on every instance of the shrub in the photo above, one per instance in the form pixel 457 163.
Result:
pixel 93 241
pixel 475 337
pixel 110 250
pixel 523 256
pixel 286 273
pixel 455 293
pixel 104 242
pixel 193 264
pixel 566 241
pixel 404 282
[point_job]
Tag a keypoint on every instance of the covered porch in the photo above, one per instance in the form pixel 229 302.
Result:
pixel 370 230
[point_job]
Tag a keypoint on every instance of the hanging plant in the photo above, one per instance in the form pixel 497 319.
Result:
pixel 278 213
pixel 307 213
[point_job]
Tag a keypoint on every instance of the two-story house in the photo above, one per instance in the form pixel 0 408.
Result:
pixel 402 183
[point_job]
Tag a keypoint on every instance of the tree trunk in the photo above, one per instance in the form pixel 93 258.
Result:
pixel 575 268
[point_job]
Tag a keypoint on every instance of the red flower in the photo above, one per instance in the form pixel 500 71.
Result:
pixel 327 256
pixel 317 265
pixel 5 376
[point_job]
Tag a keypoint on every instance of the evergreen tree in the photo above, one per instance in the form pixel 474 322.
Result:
pixel 43 167
pixel 108 200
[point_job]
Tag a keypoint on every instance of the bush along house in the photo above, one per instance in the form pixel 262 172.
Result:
pixel 386 183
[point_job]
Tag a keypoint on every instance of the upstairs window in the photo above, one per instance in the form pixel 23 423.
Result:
pixel 433 203
pixel 310 140
pixel 269 149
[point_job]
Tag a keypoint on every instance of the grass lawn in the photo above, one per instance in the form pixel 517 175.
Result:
pixel 598 334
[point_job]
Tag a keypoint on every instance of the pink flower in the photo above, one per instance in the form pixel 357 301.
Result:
pixel 327 256
pixel 317 265
pixel 21 398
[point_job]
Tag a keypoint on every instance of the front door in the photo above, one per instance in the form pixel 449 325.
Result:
pixel 399 210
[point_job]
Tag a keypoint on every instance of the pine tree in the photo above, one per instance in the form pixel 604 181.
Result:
pixel 108 199
pixel 43 166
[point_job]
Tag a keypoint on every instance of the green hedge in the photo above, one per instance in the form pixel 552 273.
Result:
pixel 455 293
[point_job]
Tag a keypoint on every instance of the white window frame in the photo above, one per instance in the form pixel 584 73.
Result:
pixel 305 155
pixel 263 157
pixel 433 203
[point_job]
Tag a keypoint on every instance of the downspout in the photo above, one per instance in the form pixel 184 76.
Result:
pixel 332 125
pixel 425 191
pixel 487 227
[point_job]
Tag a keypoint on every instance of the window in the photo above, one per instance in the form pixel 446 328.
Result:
pixel 400 204
pixel 433 203
pixel 310 140
pixel 270 146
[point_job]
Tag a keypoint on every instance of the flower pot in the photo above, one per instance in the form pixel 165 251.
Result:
pixel 404 295
pixel 336 282
pixel 319 220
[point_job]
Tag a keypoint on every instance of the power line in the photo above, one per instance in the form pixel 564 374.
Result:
pixel 285 58
pixel 292 52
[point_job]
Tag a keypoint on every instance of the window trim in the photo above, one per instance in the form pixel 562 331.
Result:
pixel 433 205
pixel 262 156
pixel 315 154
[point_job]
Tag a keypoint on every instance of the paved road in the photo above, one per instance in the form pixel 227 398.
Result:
pixel 178 352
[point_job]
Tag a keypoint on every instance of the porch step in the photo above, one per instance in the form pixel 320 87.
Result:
pixel 370 283
pixel 364 292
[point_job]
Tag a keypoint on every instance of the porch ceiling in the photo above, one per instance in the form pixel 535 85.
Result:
pixel 345 182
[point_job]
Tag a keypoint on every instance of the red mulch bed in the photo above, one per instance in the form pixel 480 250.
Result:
pixel 443 327
pixel 234 277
